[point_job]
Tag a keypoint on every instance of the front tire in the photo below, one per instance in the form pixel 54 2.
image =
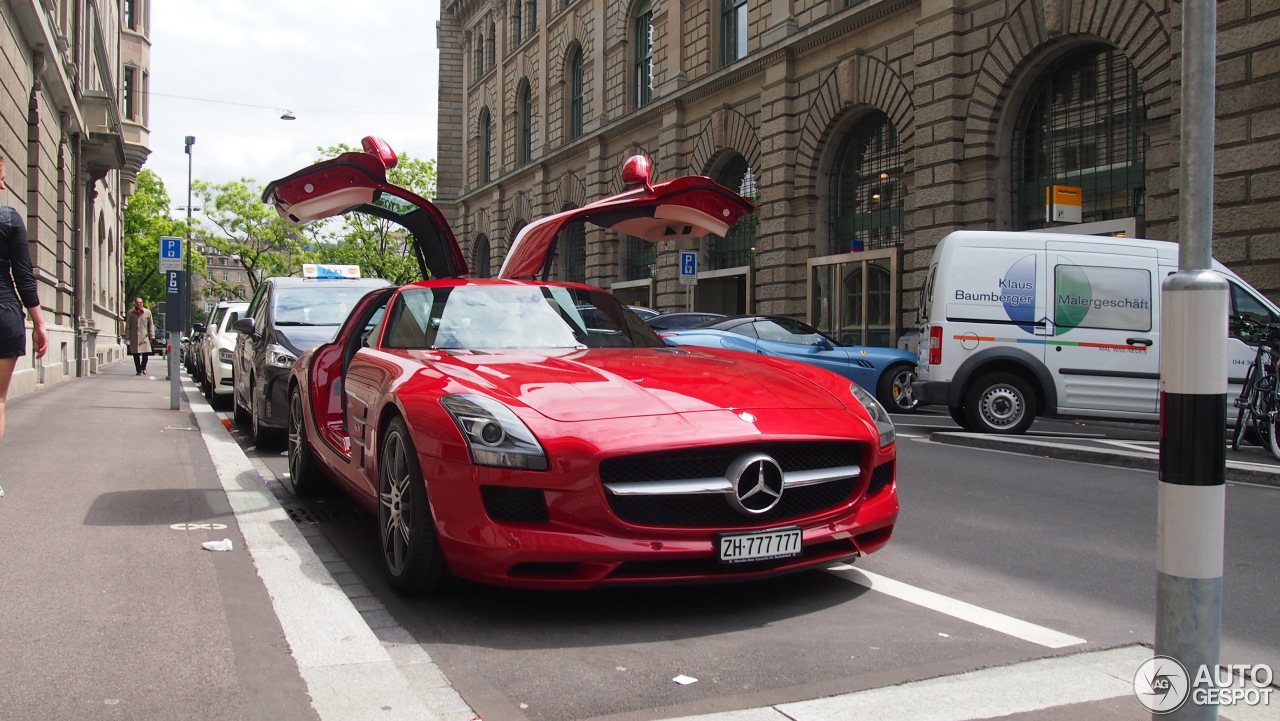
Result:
pixel 410 547
pixel 242 417
pixel 894 389
pixel 263 437
pixel 1000 403
pixel 304 473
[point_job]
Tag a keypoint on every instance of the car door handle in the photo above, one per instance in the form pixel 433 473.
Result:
pixel 1138 341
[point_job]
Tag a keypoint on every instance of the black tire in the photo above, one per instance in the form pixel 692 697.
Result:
pixel 1000 403
pixel 305 478
pixel 957 415
pixel 407 533
pixel 262 436
pixel 1243 403
pixel 241 416
pixel 894 389
pixel 206 388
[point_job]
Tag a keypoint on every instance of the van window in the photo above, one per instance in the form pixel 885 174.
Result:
pixel 1244 303
pixel 926 294
pixel 1100 297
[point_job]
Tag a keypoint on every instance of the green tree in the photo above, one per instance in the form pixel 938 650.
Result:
pixel 380 247
pixel 245 227
pixel 146 220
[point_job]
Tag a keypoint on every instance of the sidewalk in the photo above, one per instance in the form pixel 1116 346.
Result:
pixel 113 610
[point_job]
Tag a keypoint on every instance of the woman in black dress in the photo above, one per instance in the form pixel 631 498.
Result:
pixel 17 291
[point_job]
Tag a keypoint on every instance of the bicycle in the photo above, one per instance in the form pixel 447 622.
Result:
pixel 1259 399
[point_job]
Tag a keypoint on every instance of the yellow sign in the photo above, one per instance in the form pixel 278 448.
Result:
pixel 1063 203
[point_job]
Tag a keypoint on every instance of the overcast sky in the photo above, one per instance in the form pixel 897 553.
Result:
pixel 225 71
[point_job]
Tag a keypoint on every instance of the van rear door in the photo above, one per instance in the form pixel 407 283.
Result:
pixel 1103 345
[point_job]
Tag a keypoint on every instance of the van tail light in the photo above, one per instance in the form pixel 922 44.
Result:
pixel 935 345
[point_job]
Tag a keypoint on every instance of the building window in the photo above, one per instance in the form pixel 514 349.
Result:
pixel 479 64
pixel 483 267
pixel 130 90
pixel 738 245
pixel 492 46
pixel 1081 128
pixel 517 23
pixel 868 191
pixel 642 69
pixel 524 105
pixel 131 14
pixel 733 30
pixel 573 242
pixel 486 146
pixel 640 258
pixel 531 17
pixel 575 93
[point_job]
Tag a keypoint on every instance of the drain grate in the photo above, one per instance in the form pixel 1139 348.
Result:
pixel 310 514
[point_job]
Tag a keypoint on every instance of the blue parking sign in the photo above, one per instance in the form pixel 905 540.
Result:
pixel 172 285
pixel 170 254
pixel 688 267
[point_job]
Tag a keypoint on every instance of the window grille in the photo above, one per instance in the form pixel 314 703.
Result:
pixel 1081 128
pixel 737 247
pixel 640 259
pixel 868 187
pixel 574 242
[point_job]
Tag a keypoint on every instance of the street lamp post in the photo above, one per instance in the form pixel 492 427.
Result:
pixel 189 308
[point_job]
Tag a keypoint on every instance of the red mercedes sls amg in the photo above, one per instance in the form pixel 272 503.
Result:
pixel 538 434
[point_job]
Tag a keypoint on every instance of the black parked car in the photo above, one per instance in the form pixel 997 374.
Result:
pixel 285 318
pixel 162 342
pixel 682 319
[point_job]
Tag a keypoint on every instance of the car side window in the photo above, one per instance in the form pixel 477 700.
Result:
pixel 410 323
pixel 747 329
pixel 1245 304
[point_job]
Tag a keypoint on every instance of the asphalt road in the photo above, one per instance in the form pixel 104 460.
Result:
pixel 1064 546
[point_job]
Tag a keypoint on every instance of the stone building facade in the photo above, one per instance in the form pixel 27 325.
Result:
pixel 864 130
pixel 73 131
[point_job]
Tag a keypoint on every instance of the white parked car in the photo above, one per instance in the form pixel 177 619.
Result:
pixel 217 347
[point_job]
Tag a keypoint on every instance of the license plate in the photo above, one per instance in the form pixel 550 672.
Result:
pixel 759 545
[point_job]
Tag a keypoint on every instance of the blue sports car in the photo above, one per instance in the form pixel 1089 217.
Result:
pixel 886 372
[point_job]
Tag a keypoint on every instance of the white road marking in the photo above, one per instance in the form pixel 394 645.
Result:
pixel 1007 625
pixel 1141 446
pixel 1021 688
pixel 350 675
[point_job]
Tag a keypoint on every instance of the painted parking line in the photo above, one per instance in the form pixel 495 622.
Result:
pixel 977 615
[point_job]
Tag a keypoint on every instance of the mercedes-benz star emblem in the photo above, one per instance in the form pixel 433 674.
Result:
pixel 757 483
pixel 747 417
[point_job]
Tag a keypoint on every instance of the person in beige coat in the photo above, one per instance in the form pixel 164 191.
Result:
pixel 139 334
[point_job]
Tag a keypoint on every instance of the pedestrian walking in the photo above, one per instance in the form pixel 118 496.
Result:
pixel 139 334
pixel 17 291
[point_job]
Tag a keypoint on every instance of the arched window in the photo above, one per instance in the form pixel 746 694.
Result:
pixel 573 251
pixel 575 87
pixel 640 258
pixel 1081 128
pixel 868 193
pixel 737 246
pixel 642 63
pixel 524 109
pixel 733 30
pixel 486 146
pixel 483 267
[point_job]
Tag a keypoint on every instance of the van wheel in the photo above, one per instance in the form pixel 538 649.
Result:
pixel 957 415
pixel 1000 403
pixel 894 389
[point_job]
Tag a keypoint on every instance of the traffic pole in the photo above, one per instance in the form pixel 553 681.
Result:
pixel 1191 513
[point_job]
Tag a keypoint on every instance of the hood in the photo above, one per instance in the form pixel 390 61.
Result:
pixel 357 181
pixel 301 338
pixel 606 383
pixel 685 207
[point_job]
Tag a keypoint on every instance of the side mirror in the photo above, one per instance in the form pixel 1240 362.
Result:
pixel 245 326
pixel 198 327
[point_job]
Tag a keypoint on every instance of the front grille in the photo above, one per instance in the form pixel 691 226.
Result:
pixel 713 510
pixel 515 505
pixel 881 477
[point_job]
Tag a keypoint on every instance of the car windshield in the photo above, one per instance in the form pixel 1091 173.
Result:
pixel 514 317
pixel 315 305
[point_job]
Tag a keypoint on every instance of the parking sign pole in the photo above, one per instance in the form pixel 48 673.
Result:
pixel 1191 503
pixel 171 269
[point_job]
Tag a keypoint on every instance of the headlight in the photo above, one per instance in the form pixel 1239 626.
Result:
pixel 280 357
pixel 495 435
pixel 225 355
pixel 878 414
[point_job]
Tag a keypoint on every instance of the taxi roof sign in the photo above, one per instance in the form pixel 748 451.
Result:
pixel 329 270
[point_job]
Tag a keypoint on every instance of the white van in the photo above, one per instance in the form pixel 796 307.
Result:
pixel 1015 325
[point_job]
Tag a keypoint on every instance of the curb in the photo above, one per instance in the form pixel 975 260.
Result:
pixel 1235 471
